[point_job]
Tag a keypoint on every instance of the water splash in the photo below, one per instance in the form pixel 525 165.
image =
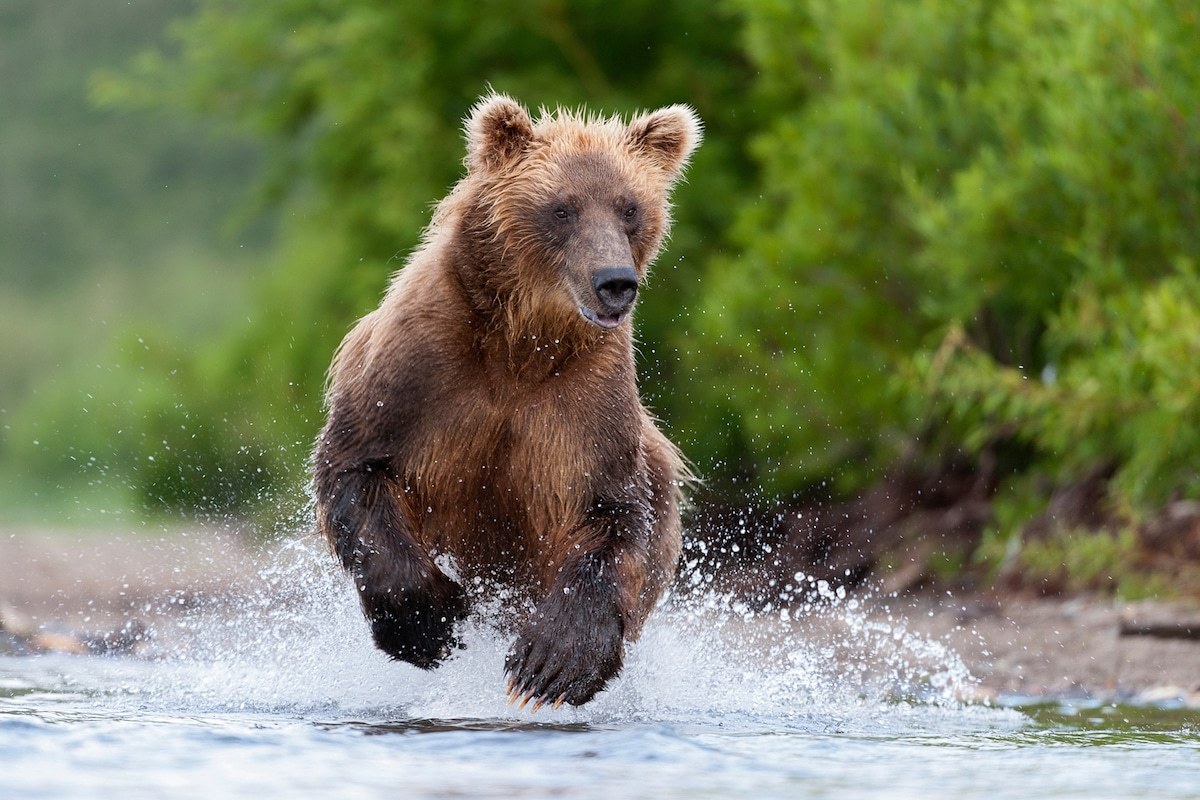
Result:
pixel 295 643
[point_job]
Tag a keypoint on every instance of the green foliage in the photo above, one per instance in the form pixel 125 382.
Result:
pixel 1080 560
pixel 1123 389
pixel 147 432
pixel 973 219
pixel 1070 292
pixel 83 187
pixel 800 332
pixel 111 225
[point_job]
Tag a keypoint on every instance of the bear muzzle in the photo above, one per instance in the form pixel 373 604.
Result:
pixel 615 290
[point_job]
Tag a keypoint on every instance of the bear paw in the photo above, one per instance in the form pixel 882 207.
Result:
pixel 417 625
pixel 565 657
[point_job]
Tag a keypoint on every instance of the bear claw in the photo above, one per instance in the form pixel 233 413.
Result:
pixel 552 664
pixel 522 698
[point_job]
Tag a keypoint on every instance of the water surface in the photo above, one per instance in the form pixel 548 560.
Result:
pixel 282 694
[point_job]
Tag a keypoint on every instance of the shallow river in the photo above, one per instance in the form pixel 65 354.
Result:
pixel 282 695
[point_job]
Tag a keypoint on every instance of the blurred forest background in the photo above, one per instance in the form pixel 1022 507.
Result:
pixel 932 301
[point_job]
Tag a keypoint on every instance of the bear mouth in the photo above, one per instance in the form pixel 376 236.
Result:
pixel 605 321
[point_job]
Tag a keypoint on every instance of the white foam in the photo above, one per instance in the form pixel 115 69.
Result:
pixel 297 644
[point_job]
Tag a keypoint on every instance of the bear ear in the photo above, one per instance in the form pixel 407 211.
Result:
pixel 498 131
pixel 667 136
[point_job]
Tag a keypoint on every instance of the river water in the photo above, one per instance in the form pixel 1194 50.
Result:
pixel 281 694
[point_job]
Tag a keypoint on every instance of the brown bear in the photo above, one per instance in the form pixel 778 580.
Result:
pixel 487 412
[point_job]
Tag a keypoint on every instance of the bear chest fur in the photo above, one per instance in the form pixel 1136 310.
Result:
pixel 515 472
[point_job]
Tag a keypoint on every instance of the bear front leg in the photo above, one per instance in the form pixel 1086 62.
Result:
pixel 411 605
pixel 574 642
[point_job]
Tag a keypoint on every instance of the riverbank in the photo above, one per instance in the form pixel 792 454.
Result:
pixel 98 590
pixel 1083 648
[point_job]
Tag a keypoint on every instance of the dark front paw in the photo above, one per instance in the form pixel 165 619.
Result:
pixel 417 624
pixel 565 654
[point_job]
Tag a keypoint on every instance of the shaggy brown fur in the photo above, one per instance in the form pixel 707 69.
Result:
pixel 488 409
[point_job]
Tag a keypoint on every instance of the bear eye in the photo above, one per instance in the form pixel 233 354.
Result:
pixel 562 213
pixel 631 211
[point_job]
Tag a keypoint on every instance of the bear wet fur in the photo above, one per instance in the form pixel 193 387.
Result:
pixel 488 409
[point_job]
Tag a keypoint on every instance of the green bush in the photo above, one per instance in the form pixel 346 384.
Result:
pixel 149 430
pixel 1095 561
pixel 1122 389
pixel 973 220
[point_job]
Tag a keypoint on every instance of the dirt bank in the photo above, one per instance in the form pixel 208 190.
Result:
pixel 1074 648
pixel 1018 647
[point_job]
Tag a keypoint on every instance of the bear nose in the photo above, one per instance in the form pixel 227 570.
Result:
pixel 615 286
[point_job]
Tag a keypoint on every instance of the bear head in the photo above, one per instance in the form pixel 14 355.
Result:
pixel 564 215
